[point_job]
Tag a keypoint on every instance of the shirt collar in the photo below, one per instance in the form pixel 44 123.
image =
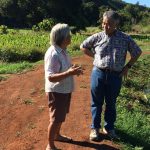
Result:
pixel 114 34
pixel 58 49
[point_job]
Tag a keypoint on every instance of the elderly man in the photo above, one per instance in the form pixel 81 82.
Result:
pixel 109 49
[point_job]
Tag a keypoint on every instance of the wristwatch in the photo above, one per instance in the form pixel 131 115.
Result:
pixel 128 65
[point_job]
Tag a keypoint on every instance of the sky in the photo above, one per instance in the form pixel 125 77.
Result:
pixel 141 2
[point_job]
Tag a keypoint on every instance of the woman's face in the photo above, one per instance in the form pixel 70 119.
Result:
pixel 67 41
pixel 108 25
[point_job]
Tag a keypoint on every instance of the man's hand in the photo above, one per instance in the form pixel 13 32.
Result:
pixel 124 72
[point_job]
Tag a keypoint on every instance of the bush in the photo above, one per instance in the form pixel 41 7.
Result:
pixel 34 55
pixel 8 55
pixel 35 28
pixel 3 29
pixel 12 55
pixel 73 29
pixel 46 24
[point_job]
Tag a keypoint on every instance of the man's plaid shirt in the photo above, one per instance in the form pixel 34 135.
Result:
pixel 110 52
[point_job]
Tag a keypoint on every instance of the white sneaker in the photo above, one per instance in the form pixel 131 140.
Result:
pixel 110 133
pixel 94 135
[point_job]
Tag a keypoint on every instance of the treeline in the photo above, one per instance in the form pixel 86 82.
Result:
pixel 79 13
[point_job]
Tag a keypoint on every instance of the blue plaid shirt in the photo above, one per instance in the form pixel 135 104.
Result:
pixel 110 52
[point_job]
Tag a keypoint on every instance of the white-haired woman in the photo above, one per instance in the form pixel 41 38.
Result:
pixel 58 81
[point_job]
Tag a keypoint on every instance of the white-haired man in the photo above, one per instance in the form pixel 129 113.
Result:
pixel 109 49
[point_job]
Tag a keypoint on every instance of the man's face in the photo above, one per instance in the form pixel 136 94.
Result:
pixel 108 25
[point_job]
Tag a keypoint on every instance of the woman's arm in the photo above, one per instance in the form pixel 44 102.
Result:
pixel 74 70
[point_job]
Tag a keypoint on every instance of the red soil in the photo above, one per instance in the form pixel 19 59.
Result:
pixel 23 126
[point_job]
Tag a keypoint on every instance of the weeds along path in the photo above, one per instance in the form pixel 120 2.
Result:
pixel 24 112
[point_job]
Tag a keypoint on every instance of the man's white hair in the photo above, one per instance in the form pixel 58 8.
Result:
pixel 112 15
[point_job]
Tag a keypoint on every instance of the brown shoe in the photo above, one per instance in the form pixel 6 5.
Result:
pixel 111 134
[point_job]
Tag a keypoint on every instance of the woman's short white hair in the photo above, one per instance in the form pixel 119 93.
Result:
pixel 59 33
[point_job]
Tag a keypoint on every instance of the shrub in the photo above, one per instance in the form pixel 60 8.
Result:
pixel 12 55
pixel 34 55
pixel 3 29
pixel 46 24
pixel 35 28
pixel 8 55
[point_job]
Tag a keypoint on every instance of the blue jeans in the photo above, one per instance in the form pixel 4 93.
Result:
pixel 104 86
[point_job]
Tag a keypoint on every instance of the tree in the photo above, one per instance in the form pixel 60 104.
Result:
pixel 91 13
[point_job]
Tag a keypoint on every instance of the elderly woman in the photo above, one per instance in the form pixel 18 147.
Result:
pixel 58 81
pixel 109 49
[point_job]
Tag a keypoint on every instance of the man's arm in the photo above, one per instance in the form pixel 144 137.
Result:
pixel 129 65
pixel 87 51
pixel 133 60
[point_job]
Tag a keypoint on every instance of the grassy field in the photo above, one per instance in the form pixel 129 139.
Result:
pixel 22 49
pixel 134 107
pixel 28 46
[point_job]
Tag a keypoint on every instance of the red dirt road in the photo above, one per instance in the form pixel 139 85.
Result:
pixel 24 113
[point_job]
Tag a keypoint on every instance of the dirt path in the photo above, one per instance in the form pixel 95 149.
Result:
pixel 24 113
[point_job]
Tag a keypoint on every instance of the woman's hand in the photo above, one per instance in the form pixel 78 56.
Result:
pixel 75 70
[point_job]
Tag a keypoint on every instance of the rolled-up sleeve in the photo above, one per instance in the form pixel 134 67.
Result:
pixel 52 65
pixel 133 48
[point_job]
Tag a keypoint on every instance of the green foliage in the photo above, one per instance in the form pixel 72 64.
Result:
pixel 74 47
pixel 133 109
pixel 3 29
pixel 90 11
pixel 12 55
pixel 25 14
pixel 26 45
pixel 133 15
pixel 7 68
pixel 35 28
pixel 19 45
pixel 46 24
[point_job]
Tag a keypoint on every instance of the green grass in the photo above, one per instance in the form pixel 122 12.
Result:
pixel 133 122
pixel 19 49
pixel 91 30
pixel 28 101
pixel 142 40
pixel 26 45
pixel 22 47
pixel 141 29
pixel 9 68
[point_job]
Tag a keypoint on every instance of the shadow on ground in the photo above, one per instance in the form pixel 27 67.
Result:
pixel 95 145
